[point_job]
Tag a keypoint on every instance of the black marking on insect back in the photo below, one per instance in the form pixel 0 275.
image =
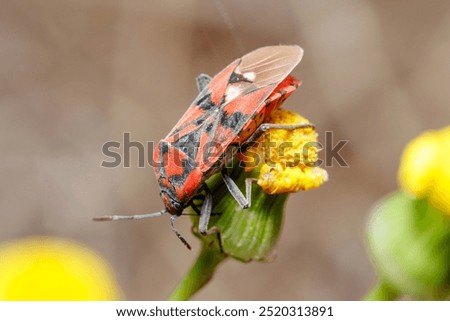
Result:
pixel 199 121
pixel 189 144
pixel 188 165
pixel 164 148
pixel 222 101
pixel 163 151
pixel 232 121
pixel 209 127
pixel 235 77
pixel 204 102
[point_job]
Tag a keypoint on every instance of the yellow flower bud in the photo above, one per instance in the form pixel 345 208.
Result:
pixel 424 168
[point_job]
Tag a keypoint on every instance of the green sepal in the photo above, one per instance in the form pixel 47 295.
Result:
pixel 247 234
pixel 410 245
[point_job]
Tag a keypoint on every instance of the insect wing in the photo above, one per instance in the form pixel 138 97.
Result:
pixel 231 99
pixel 253 80
pixel 264 67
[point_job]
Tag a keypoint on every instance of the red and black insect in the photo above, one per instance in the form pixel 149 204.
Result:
pixel 230 111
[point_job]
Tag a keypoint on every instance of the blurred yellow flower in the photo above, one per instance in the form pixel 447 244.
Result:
pixel 288 162
pixel 424 168
pixel 46 268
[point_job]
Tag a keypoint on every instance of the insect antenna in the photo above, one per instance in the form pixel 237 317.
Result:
pixel 130 217
pixel 144 216
pixel 172 225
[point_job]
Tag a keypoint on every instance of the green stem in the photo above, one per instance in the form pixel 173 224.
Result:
pixel 199 275
pixel 381 292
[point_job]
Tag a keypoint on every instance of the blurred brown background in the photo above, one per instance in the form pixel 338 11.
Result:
pixel 75 74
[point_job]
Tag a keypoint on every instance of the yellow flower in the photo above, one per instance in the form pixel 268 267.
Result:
pixel 288 156
pixel 45 268
pixel 424 168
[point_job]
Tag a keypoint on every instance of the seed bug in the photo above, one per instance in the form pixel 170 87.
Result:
pixel 231 110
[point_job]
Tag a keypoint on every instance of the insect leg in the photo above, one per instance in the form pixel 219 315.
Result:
pixel 202 81
pixel 248 189
pixel 205 215
pixel 266 126
pixel 235 191
pixel 194 207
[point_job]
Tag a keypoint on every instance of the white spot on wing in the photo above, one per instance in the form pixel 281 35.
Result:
pixel 232 92
pixel 265 66
pixel 269 65
pixel 250 76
